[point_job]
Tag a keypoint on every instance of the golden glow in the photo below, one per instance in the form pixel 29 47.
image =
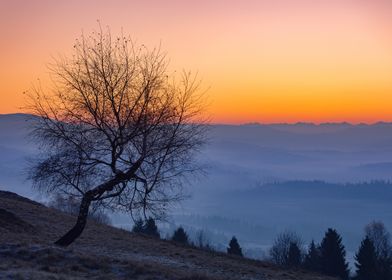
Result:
pixel 263 60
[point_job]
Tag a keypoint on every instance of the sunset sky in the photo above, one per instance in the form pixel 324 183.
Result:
pixel 262 60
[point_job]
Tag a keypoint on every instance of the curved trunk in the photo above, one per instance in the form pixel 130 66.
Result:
pixel 88 197
pixel 78 228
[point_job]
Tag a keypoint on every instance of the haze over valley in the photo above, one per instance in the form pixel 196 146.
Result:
pixel 260 180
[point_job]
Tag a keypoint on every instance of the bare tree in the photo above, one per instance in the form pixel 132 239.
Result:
pixel 202 241
pixel 117 130
pixel 280 250
pixel 380 237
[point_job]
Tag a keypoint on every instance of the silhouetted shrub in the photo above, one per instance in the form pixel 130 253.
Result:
pixel 180 236
pixel 312 258
pixel 150 228
pixel 294 258
pixel 279 251
pixel 234 247
pixel 138 226
pixel 381 239
pixel 147 227
pixel 202 240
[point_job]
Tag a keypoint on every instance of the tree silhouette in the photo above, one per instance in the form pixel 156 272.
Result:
pixel 279 251
pixel 118 130
pixel 202 240
pixel 138 227
pixel 234 248
pixel 312 258
pixel 381 239
pixel 333 262
pixel 180 236
pixel 294 258
pixel 150 228
pixel 366 261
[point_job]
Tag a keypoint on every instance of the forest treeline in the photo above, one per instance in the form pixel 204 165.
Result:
pixel 373 259
pixel 321 183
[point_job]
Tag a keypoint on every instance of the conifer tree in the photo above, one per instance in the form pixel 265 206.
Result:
pixel 366 261
pixel 294 257
pixel 150 228
pixel 384 268
pixel 180 236
pixel 234 247
pixel 333 255
pixel 312 258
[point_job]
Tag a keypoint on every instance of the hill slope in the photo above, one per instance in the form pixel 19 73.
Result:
pixel 27 230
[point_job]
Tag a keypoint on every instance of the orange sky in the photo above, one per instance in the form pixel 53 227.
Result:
pixel 264 60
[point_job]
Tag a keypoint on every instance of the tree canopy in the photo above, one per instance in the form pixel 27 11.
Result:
pixel 118 129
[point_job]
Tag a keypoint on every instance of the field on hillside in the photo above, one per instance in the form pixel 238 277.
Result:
pixel 27 230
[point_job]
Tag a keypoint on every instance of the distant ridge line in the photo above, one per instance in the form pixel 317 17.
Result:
pixel 299 123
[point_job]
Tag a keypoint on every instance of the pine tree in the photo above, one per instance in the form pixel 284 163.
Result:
pixel 333 255
pixel 150 228
pixel 366 261
pixel 138 226
pixel 294 257
pixel 312 258
pixel 234 247
pixel 180 236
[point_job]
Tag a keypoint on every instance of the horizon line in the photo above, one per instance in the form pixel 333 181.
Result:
pixel 256 123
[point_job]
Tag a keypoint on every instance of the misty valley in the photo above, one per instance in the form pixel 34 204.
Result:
pixel 259 180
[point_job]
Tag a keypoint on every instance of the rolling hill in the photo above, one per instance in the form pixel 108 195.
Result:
pixel 27 230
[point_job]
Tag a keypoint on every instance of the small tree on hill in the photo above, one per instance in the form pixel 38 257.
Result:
pixel 202 241
pixel 366 261
pixel 118 129
pixel 312 258
pixel 294 257
pixel 381 239
pixel 333 262
pixel 279 251
pixel 138 227
pixel 150 228
pixel 234 248
pixel 180 236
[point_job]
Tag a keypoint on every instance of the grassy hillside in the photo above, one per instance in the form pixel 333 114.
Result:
pixel 27 230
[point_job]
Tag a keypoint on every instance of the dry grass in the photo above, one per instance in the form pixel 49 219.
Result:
pixel 104 252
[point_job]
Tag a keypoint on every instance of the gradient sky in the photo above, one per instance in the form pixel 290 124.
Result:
pixel 263 60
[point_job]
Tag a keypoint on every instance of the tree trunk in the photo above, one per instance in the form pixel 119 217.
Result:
pixel 78 228
pixel 88 197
